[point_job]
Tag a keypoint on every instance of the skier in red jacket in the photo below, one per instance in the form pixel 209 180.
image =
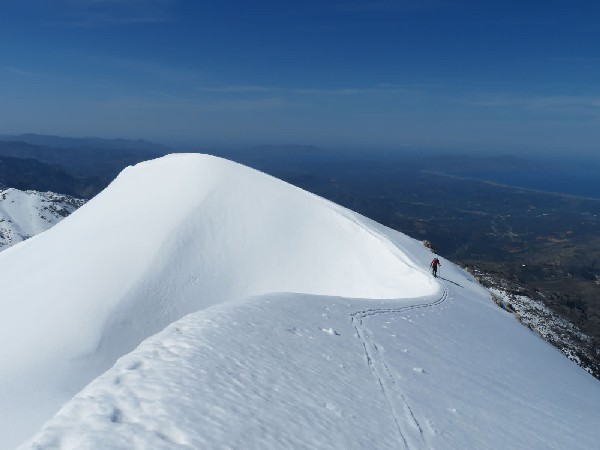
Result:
pixel 434 266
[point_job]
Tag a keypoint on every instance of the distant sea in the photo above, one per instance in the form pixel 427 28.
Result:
pixel 580 182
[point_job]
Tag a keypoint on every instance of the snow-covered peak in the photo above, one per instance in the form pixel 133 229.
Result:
pixel 24 214
pixel 169 237
pixel 264 317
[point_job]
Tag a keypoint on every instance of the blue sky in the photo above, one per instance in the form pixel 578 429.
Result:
pixel 490 76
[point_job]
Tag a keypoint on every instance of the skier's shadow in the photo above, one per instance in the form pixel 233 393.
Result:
pixel 449 281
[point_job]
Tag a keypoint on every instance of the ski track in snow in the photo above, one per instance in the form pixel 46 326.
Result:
pixel 415 436
pixel 402 413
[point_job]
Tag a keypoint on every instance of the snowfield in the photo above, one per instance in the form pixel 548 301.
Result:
pixel 264 317
pixel 24 214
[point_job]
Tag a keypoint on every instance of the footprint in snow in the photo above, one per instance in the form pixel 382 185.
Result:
pixel 419 369
pixel 334 409
pixel 330 331
pixel 116 416
pixel 134 365
pixel 295 331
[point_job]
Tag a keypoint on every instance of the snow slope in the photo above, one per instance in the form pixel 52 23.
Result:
pixel 310 327
pixel 26 213
pixel 295 371
pixel 170 237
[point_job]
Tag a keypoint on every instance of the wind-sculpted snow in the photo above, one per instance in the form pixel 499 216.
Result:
pixel 170 237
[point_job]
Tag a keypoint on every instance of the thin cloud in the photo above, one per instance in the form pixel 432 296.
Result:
pixel 346 91
pixel 583 109
pixel 263 104
pixel 350 91
pixel 239 89
pixel 88 13
pixel 167 96
pixel 387 6
pixel 341 91
pixel 25 73
pixel 548 103
pixel 166 102
pixel 148 68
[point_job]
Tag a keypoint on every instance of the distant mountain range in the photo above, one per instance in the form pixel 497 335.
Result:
pixel 90 142
pixel 79 167
pixel 31 174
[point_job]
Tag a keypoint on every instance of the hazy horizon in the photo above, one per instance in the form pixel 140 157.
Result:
pixel 378 151
pixel 542 162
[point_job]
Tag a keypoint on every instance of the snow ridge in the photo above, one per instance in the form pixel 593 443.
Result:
pixel 242 312
pixel 167 238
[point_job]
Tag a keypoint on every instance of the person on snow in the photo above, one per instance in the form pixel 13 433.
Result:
pixel 434 266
